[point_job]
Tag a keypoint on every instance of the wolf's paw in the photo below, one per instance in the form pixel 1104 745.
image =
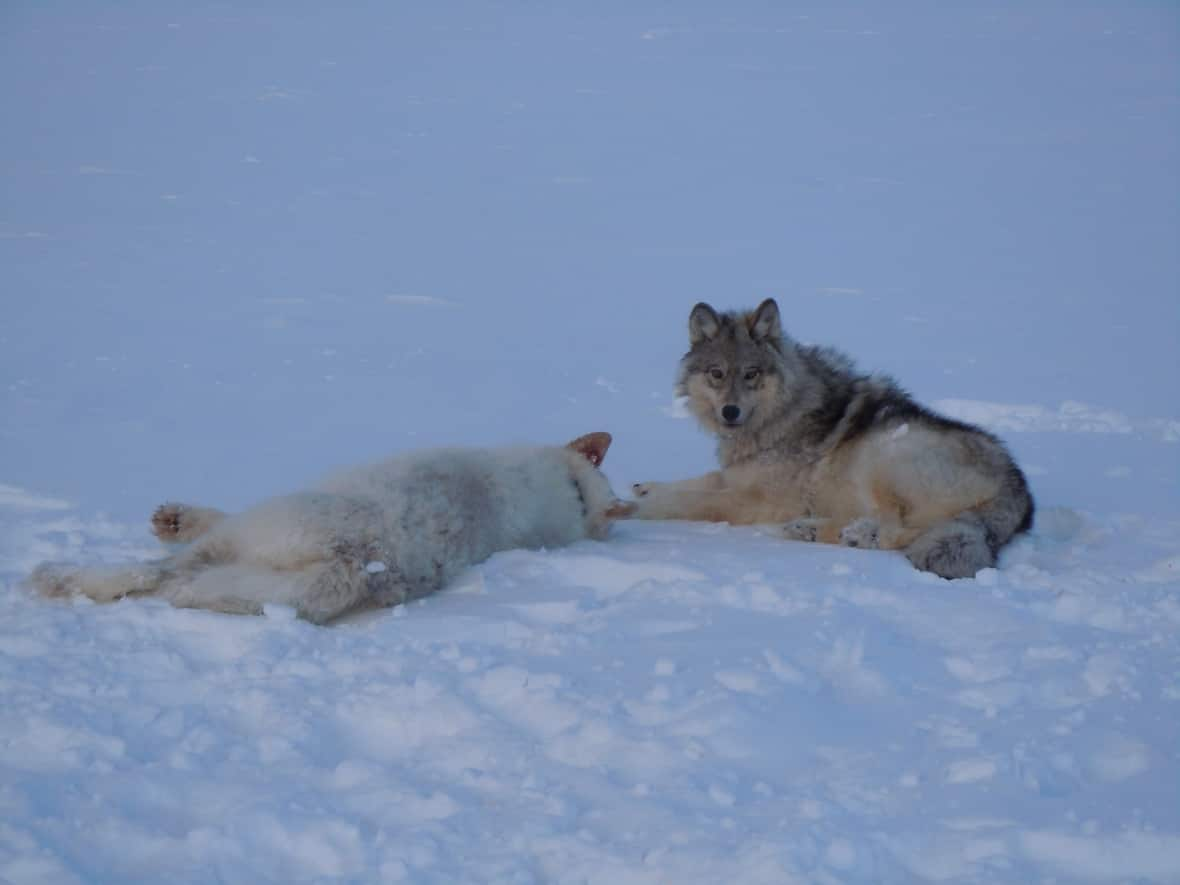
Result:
pixel 54 579
pixel 805 529
pixel 643 489
pixel 173 523
pixel 176 523
pixel 864 532
pixel 168 522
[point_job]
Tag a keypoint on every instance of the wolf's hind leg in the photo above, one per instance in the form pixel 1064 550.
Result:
pixel 332 588
pixel 176 523
pixel 231 589
pixel 55 580
pixel 100 583
pixel 319 592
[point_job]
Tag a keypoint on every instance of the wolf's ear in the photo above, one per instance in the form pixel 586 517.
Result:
pixel 764 322
pixel 703 324
pixel 592 446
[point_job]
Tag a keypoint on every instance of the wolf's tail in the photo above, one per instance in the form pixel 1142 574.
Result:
pixel 100 583
pixel 960 547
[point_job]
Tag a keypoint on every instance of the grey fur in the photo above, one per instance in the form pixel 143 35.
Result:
pixel 805 438
pixel 377 535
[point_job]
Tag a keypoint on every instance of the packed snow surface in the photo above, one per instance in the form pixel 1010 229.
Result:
pixel 242 247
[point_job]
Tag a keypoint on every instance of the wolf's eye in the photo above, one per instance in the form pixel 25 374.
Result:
pixel 716 374
pixel 751 374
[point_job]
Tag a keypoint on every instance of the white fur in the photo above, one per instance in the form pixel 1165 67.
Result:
pixel 376 535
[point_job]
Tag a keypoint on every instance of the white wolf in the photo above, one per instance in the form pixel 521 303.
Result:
pixel 373 536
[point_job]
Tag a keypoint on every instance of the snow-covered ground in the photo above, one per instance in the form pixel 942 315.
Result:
pixel 241 247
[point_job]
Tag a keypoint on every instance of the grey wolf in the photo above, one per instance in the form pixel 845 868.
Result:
pixel 839 456
pixel 372 536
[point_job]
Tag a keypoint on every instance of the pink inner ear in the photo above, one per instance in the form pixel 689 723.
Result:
pixel 592 446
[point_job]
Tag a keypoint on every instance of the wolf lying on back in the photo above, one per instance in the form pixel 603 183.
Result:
pixel 842 457
pixel 376 535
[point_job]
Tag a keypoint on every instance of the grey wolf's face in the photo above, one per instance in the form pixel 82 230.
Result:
pixel 732 372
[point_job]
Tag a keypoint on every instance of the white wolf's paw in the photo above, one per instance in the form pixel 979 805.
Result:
pixel 643 489
pixel 804 529
pixel 54 579
pixel 175 523
pixel 864 532
pixel 168 522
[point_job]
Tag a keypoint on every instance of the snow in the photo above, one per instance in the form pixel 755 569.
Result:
pixel 241 248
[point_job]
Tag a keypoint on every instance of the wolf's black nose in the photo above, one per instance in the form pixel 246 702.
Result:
pixel 730 413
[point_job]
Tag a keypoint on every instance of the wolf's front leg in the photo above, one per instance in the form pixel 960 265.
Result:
pixel 175 523
pixel 675 500
pixel 709 499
